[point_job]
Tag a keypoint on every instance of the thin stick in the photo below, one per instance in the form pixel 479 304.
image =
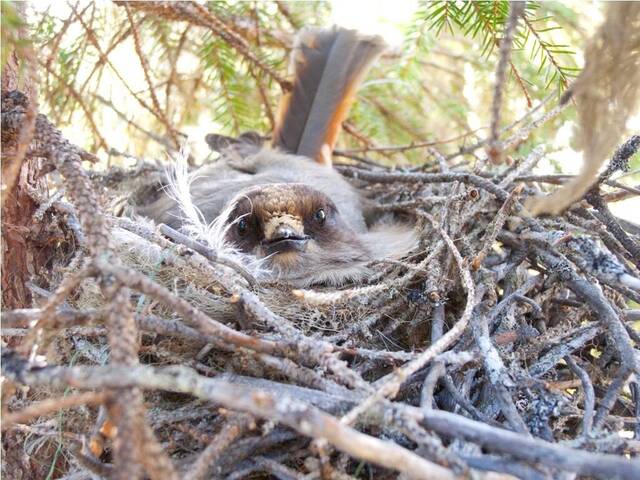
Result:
pixel 202 322
pixel 207 252
pixel 611 397
pixel 613 226
pixel 51 405
pixel 389 385
pixel 448 177
pixel 223 439
pixel 589 395
pixel 516 9
pixel 498 223
pixel 159 112
pixel 199 15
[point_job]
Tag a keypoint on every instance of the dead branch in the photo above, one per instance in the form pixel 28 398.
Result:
pixel 303 418
pixel 516 9
pixel 310 421
pixel 50 406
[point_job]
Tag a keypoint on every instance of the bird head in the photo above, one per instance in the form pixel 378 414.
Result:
pixel 299 232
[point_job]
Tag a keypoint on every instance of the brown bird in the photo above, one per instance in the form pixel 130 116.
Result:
pixel 284 203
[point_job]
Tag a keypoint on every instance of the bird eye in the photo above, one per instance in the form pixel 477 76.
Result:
pixel 243 227
pixel 320 216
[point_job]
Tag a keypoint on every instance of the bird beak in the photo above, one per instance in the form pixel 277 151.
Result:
pixel 284 234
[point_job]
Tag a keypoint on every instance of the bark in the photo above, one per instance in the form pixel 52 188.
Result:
pixel 23 253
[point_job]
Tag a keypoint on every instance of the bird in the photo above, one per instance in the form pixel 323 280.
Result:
pixel 283 202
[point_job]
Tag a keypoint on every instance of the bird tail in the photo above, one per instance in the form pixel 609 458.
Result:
pixel 327 65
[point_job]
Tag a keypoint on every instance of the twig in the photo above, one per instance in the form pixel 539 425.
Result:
pixel 436 371
pixel 87 112
pixel 561 180
pixel 523 133
pixel 635 392
pixel 516 9
pixel 611 397
pixel 316 351
pixel 104 59
pixel 566 347
pixel 525 166
pixel 207 252
pixel 518 295
pixel 594 297
pixel 199 15
pixel 621 157
pixel 386 177
pixel 145 69
pixel 390 384
pixel 464 402
pixel 277 469
pixel 498 223
pixel 123 333
pixel 497 373
pixel 403 148
pixel 202 322
pixel 51 405
pixel 68 285
pixel 519 470
pixel 605 215
pixel 234 427
pixel 589 395
pixel 157 138
pixel 530 449
pixel 437 325
pixel 475 146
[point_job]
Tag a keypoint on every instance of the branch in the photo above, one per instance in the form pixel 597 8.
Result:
pixel 199 15
pixel 389 385
pixel 516 9
pixel 249 395
pixel 386 177
pixel 302 417
pixel 51 405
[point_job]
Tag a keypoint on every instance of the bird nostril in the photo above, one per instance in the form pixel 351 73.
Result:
pixel 286 233
pixel 283 232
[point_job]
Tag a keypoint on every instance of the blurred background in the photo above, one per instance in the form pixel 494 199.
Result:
pixel 139 82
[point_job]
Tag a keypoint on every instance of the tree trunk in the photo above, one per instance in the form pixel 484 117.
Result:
pixel 25 249
pixel 23 255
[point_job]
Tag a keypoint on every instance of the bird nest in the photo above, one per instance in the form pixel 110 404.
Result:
pixel 503 347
